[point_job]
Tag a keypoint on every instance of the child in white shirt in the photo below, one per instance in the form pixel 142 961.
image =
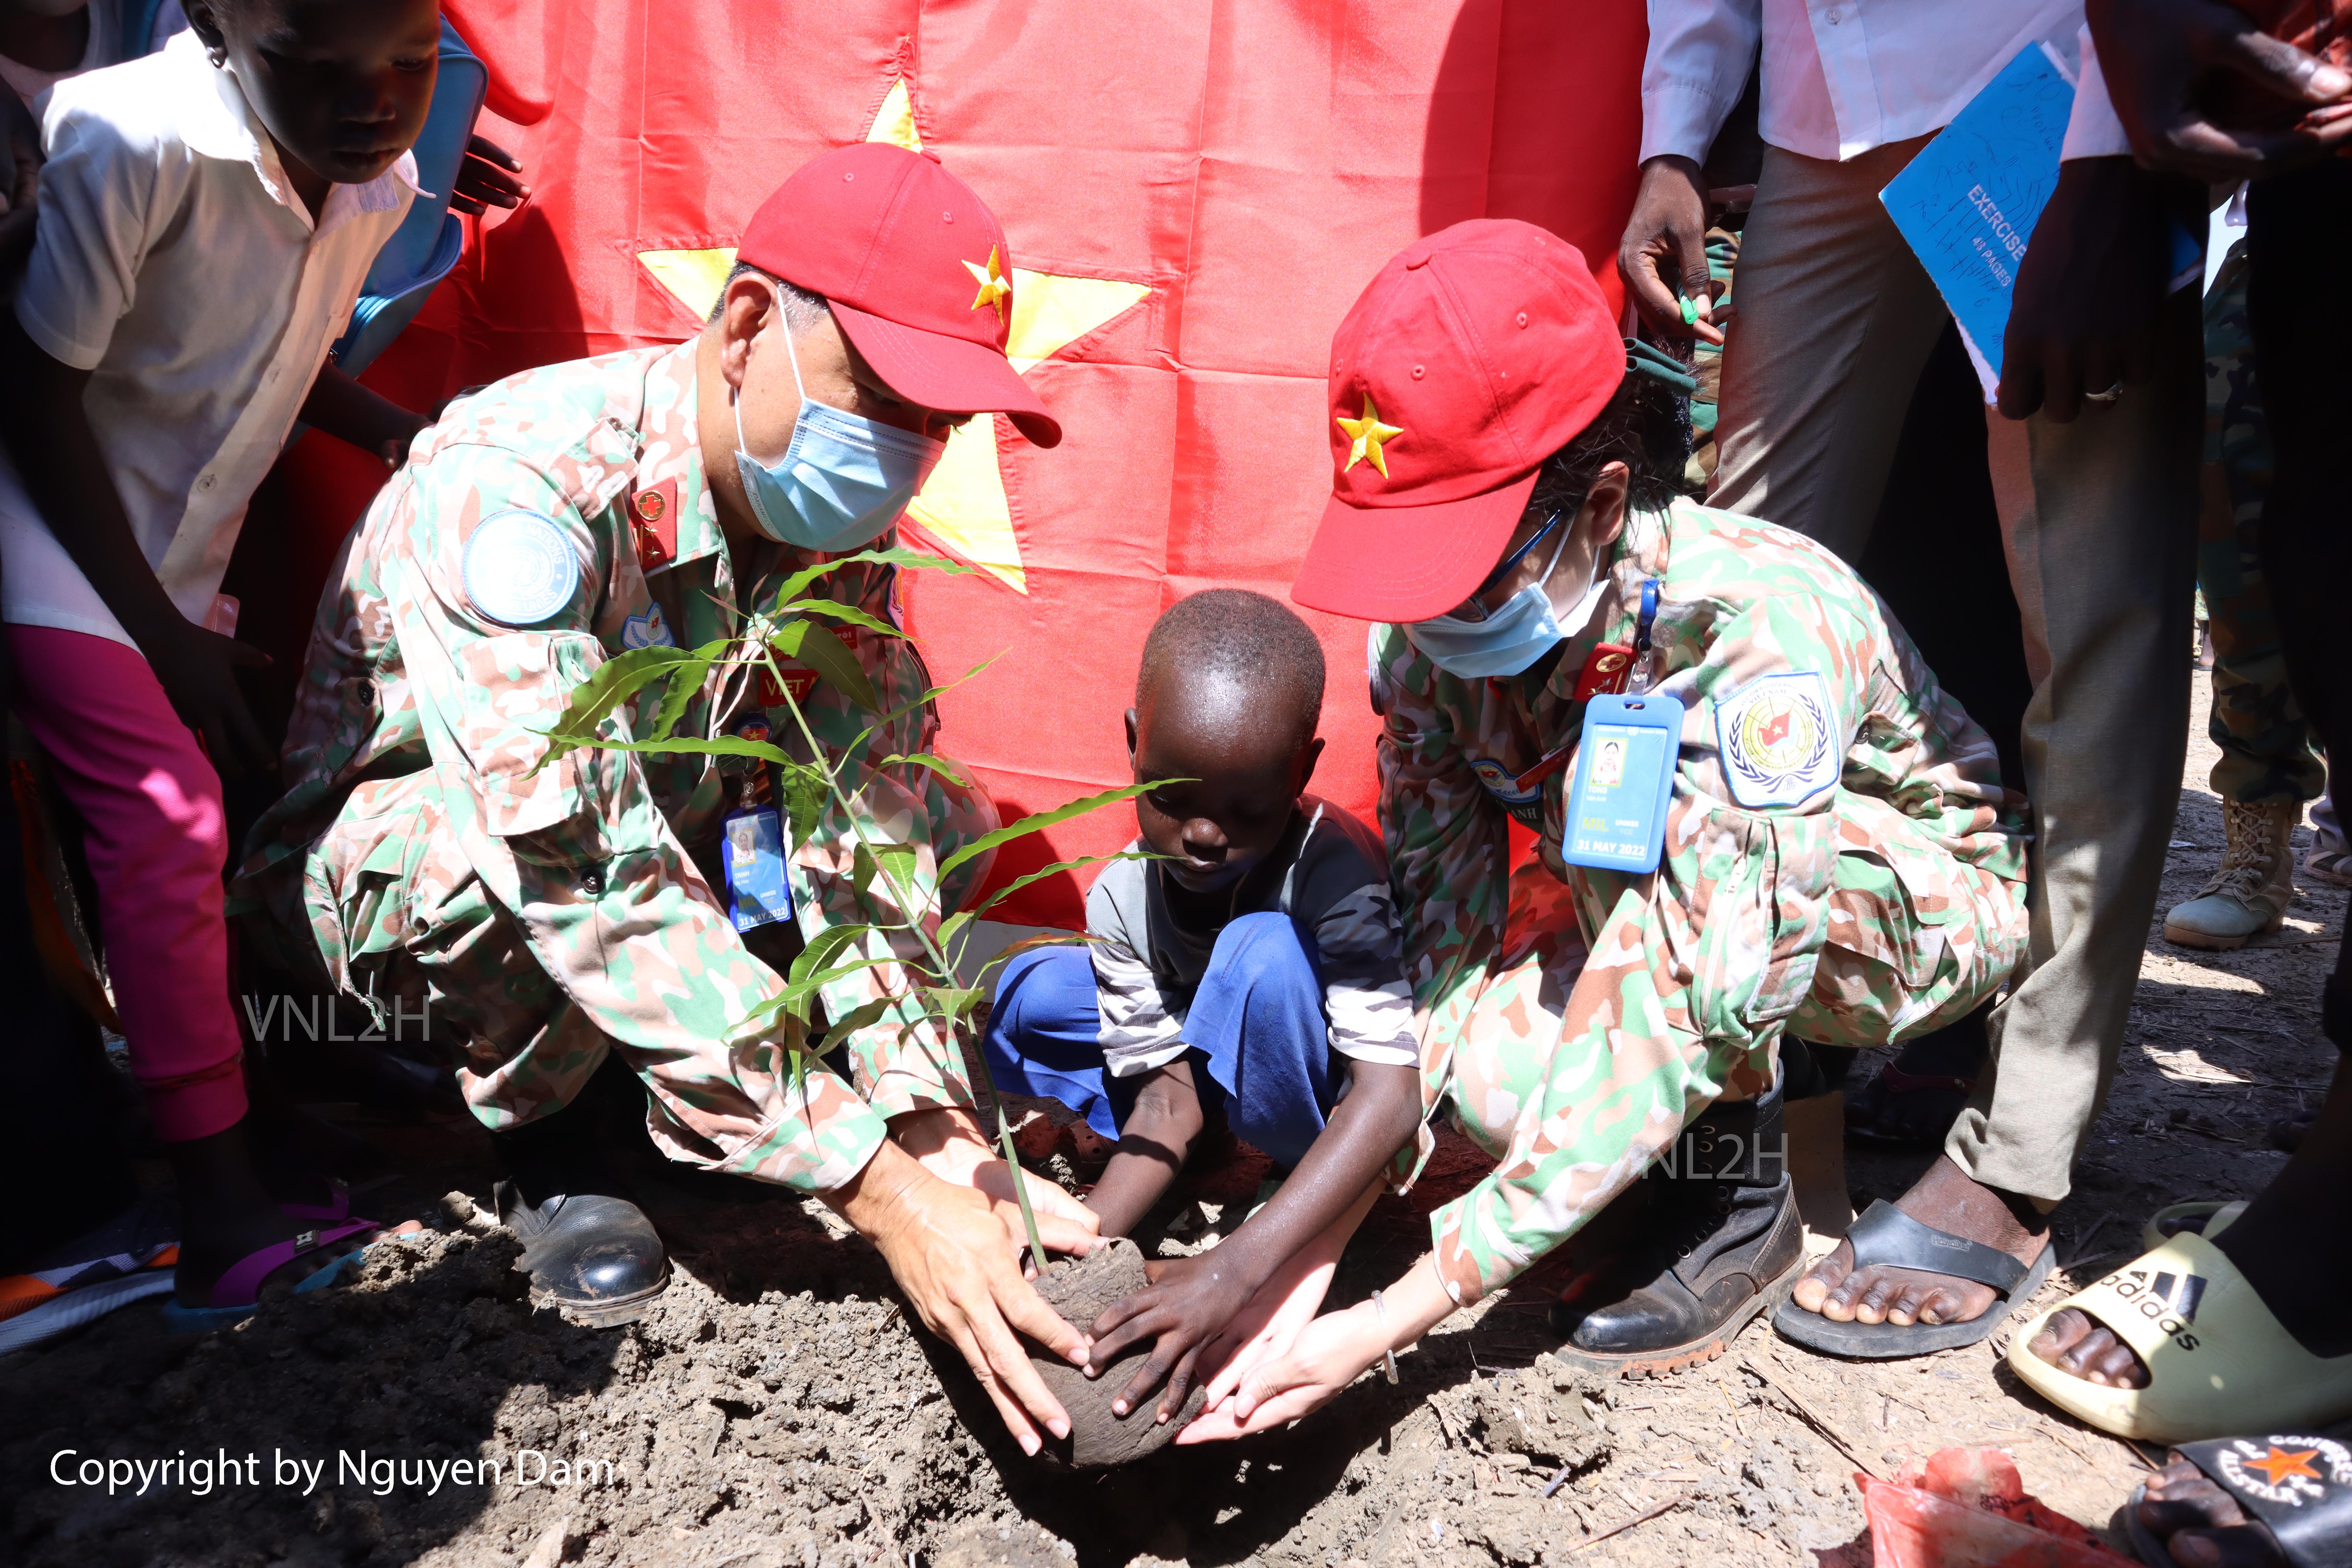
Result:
pixel 206 215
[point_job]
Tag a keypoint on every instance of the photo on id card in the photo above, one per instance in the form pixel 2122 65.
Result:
pixel 1616 815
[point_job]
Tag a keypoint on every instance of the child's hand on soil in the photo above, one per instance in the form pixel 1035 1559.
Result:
pixel 1191 1300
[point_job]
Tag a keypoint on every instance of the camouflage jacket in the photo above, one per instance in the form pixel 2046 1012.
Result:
pixel 405 674
pixel 1750 616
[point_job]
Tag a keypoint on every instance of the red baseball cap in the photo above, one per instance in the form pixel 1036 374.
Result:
pixel 1476 353
pixel 915 269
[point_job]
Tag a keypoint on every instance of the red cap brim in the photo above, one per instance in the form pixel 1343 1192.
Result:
pixel 1407 562
pixel 954 375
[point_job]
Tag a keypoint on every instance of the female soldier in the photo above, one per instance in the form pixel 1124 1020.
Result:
pixel 1834 854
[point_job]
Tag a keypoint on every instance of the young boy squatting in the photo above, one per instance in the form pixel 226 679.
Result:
pixel 1257 965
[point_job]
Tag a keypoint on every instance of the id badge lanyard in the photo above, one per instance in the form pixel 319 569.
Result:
pixel 754 850
pixel 1616 816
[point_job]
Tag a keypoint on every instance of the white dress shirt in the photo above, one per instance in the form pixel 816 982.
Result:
pixel 174 262
pixel 1841 76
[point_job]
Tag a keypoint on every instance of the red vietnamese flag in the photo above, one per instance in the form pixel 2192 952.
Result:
pixel 1193 195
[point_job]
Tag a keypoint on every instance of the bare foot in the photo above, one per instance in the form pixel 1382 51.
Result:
pixel 1948 1199
pixel 2201 1525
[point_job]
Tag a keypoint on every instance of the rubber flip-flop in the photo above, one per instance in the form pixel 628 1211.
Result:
pixel 236 1295
pixel 2300 1488
pixel 2216 1214
pixel 1884 1236
pixel 2217 1359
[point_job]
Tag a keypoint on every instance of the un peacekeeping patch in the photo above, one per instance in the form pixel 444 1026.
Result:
pixel 1777 742
pixel 519 569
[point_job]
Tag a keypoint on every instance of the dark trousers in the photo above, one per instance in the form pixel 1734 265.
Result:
pixel 2299 230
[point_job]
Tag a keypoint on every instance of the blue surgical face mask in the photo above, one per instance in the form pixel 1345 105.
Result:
pixel 1511 639
pixel 842 481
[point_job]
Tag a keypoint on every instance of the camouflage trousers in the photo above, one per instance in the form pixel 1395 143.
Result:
pixel 388 906
pixel 2267 751
pixel 1578 1063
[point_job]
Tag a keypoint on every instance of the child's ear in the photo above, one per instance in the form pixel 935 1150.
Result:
pixel 204 22
pixel 1308 756
pixel 1130 736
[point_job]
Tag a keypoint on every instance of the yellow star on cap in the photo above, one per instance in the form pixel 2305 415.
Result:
pixel 1368 435
pixel 993 285
pixel 962 509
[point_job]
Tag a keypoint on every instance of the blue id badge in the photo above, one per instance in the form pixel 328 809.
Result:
pixel 1624 776
pixel 751 850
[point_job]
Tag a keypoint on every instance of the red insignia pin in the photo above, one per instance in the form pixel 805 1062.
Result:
pixel 1606 670
pixel 653 525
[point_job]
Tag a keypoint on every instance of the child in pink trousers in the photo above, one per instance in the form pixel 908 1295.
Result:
pixel 206 215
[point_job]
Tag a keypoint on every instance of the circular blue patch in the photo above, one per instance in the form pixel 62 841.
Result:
pixel 519 569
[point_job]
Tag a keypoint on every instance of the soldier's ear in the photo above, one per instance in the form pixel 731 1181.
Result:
pixel 1606 501
pixel 1130 736
pixel 742 312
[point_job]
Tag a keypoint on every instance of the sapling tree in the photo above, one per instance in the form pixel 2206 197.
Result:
pixel 922 966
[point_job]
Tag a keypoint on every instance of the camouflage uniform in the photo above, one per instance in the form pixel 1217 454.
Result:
pixel 546 917
pixel 2266 746
pixel 1579 1018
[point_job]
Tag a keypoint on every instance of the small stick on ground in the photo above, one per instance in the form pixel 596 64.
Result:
pixel 2083 1246
pixel 1819 1423
pixel 1644 1517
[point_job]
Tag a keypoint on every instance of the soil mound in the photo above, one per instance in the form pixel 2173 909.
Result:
pixel 1079 1290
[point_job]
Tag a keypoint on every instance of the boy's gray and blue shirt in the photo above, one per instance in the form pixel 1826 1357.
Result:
pixel 1329 873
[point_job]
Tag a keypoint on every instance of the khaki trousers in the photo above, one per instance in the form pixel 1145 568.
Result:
pixel 1835 319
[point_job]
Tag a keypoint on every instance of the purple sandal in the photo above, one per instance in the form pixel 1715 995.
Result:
pixel 236 1293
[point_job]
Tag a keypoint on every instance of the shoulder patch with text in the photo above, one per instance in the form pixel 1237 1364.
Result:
pixel 519 569
pixel 1779 743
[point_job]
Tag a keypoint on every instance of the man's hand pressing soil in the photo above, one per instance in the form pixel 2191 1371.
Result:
pixel 945 1246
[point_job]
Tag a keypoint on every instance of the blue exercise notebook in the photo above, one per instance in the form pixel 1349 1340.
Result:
pixel 1968 202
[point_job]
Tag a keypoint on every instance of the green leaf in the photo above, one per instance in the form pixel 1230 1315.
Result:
pixel 1037 821
pixel 1057 939
pixel 864 1018
pixel 952 1001
pixel 799 583
pixel 1056 870
pixel 820 951
pixel 818 649
pixel 594 699
pixel 898 861
pixel 802 784
pixel 685 684
pixel 939 765
pixel 840 612
pixel 903 709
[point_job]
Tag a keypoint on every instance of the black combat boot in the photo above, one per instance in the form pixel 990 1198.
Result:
pixel 1724 1243
pixel 592 1253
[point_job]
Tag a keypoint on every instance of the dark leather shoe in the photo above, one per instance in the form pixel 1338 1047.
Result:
pixel 1727 1244
pixel 593 1255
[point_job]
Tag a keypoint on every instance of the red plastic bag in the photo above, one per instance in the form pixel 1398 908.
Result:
pixel 1967 1507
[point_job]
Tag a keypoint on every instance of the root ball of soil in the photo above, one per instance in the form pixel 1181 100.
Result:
pixel 1079 1290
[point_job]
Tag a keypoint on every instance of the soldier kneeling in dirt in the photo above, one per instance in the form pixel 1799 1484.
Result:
pixel 552 916
pixel 1795 827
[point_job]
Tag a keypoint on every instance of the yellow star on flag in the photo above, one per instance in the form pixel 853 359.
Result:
pixel 993 284
pixel 1367 437
pixel 962 508
pixel 2279 1464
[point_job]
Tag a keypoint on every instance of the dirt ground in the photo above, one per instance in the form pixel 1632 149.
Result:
pixel 778 1409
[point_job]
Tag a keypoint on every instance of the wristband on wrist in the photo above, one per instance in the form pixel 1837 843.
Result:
pixel 1388 1353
